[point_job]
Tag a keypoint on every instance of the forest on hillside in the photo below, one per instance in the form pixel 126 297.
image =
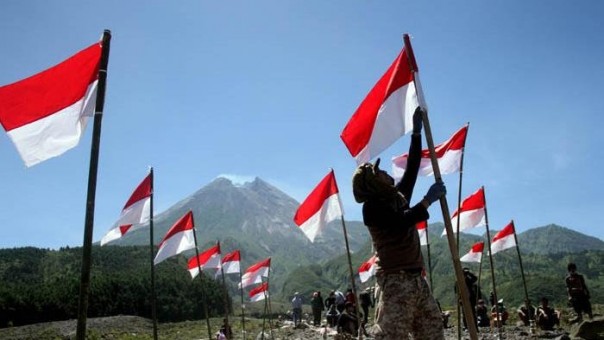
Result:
pixel 39 285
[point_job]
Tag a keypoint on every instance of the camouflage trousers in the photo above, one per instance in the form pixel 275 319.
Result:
pixel 406 309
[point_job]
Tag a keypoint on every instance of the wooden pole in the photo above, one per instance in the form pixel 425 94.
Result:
pixel 486 219
pixel 463 152
pixel 443 200
pixel 270 311
pixel 91 195
pixel 353 286
pixel 152 254
pixel 242 303
pixel 531 317
pixel 226 294
pixel 204 295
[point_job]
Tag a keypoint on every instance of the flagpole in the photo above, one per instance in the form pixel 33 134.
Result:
pixel 242 303
pixel 90 200
pixel 486 219
pixel 151 251
pixel 443 200
pixel 463 152
pixel 270 311
pixel 522 272
pixel 226 301
pixel 354 289
pixel 204 296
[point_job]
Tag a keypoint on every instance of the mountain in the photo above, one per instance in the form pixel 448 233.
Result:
pixel 256 218
pixel 544 266
pixel 553 238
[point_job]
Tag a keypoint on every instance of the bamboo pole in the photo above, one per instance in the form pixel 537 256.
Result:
pixel 242 303
pixel 531 317
pixel 225 293
pixel 91 194
pixel 486 219
pixel 443 200
pixel 353 286
pixel 205 298
pixel 152 254
pixel 463 152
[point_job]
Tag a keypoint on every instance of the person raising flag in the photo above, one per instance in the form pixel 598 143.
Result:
pixel 406 304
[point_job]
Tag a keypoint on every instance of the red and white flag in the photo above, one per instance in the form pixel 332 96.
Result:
pixel 367 269
pixel 255 273
pixel 475 254
pixel 448 155
pixel 385 114
pixel 178 239
pixel 136 211
pixel 45 115
pixel 319 208
pixel 209 259
pixel 259 293
pixel 504 239
pixel 422 231
pixel 471 214
pixel 231 262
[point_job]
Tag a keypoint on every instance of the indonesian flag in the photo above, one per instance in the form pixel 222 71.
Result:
pixel 136 211
pixel 475 254
pixel 231 262
pixel 385 114
pixel 504 239
pixel 178 239
pixel 259 293
pixel 422 231
pixel 208 259
pixel 319 208
pixel 255 273
pixel 367 269
pixel 471 214
pixel 448 155
pixel 45 115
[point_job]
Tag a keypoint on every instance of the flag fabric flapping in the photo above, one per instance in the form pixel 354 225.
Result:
pixel 422 231
pixel 367 269
pixel 136 211
pixel 385 114
pixel 259 293
pixel 475 254
pixel 46 114
pixel 504 239
pixel 319 208
pixel 255 273
pixel 209 259
pixel 471 214
pixel 448 155
pixel 178 239
pixel 231 262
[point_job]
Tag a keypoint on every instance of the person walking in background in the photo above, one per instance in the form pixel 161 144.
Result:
pixel 297 309
pixel 578 294
pixel 406 304
pixel 317 306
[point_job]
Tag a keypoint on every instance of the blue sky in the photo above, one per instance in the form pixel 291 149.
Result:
pixel 199 89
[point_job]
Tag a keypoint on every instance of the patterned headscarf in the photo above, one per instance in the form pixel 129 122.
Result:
pixel 367 186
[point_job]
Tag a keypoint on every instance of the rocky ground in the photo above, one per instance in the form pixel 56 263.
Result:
pixel 131 327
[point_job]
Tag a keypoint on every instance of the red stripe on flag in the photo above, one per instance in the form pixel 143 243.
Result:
pixel 314 202
pixel 505 232
pixel 142 191
pixel 233 256
pixel 357 133
pixel 473 202
pixel 49 91
pixel 183 224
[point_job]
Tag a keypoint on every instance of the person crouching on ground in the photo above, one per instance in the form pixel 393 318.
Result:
pixel 406 305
